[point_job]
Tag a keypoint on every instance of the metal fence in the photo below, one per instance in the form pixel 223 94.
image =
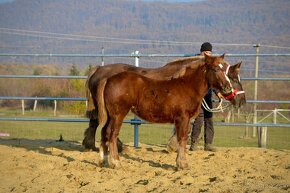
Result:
pixel 136 122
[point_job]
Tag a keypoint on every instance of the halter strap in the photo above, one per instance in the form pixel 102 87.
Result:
pixel 234 91
pixel 233 94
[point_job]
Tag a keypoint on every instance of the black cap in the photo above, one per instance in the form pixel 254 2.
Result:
pixel 206 46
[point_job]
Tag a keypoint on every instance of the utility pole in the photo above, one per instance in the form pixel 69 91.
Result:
pixel 103 52
pixel 257 46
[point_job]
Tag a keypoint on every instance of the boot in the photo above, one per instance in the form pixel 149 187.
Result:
pixel 193 147
pixel 208 135
pixel 195 132
pixel 209 147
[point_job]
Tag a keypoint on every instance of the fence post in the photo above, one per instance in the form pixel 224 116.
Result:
pixel 136 122
pixel 257 46
pixel 35 104
pixel 103 52
pixel 262 137
pixel 247 130
pixel 54 111
pixel 22 106
pixel 275 116
pixel 136 125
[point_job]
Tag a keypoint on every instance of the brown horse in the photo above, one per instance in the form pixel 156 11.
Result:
pixel 104 72
pixel 160 101
pixel 162 73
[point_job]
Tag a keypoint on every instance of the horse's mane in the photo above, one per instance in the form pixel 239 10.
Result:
pixel 188 63
pixel 186 60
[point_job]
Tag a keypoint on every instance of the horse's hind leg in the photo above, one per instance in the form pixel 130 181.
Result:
pixel 90 133
pixel 105 133
pixel 114 125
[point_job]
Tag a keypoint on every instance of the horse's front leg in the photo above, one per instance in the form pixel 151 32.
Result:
pixel 182 127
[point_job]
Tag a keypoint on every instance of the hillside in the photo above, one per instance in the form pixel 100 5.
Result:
pixel 122 26
pixel 222 21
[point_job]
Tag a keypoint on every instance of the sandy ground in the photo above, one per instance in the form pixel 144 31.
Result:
pixel 50 166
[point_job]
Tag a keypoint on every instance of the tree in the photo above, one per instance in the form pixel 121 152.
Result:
pixel 74 71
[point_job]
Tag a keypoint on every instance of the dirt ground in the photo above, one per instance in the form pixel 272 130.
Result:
pixel 50 166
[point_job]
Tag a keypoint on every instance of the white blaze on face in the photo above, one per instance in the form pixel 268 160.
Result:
pixel 226 74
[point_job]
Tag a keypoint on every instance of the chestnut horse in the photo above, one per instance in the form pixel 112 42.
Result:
pixel 161 101
pixel 162 73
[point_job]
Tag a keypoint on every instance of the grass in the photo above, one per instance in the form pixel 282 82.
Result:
pixel 278 138
pixel 225 136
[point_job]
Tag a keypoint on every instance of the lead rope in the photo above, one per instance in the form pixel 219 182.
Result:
pixel 219 108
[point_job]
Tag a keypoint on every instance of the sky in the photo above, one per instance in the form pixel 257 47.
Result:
pixel 5 1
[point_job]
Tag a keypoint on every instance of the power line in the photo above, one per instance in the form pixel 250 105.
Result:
pixel 89 38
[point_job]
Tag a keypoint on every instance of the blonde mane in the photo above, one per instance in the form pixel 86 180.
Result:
pixel 187 59
pixel 188 63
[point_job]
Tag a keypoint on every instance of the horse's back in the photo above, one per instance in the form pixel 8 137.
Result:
pixel 124 87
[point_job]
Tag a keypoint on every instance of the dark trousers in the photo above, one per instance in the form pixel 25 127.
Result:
pixel 205 118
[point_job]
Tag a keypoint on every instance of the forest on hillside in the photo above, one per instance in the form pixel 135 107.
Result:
pixel 114 24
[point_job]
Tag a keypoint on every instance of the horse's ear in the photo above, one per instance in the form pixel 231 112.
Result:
pixel 223 56
pixel 237 67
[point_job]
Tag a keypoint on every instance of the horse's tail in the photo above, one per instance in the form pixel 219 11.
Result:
pixel 91 110
pixel 102 110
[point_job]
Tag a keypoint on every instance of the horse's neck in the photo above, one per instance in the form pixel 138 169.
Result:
pixel 196 78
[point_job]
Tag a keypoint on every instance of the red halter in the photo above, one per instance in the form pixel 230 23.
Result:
pixel 234 92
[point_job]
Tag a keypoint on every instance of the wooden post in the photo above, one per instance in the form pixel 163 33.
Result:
pixel 23 107
pixel 275 116
pixel 54 111
pixel 262 137
pixel 233 115
pixel 35 105
pixel 247 130
pixel 228 116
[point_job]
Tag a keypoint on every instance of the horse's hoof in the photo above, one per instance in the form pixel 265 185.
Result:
pixel 86 149
pixel 182 166
pixel 95 149
pixel 115 164
pixel 171 149
pixel 101 163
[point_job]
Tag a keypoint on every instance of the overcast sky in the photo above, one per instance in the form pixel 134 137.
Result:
pixel 4 1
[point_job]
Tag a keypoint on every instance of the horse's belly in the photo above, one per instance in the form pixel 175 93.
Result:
pixel 152 115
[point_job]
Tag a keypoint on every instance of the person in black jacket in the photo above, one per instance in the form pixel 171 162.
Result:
pixel 204 117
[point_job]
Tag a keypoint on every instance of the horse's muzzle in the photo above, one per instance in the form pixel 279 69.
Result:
pixel 233 94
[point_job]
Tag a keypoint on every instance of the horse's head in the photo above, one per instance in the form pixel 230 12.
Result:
pixel 238 96
pixel 217 76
